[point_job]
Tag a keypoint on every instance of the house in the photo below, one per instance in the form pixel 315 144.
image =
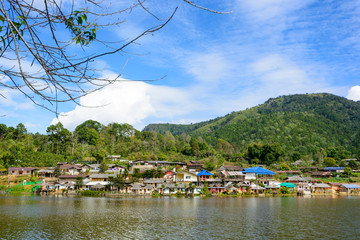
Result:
pixel 115 158
pixel 96 177
pixel 288 185
pixel 321 174
pixel 142 168
pixel 303 187
pixel 204 175
pixel 115 168
pixel 154 181
pixel 299 179
pixel 141 189
pixel 335 186
pixel 216 188
pixel 272 188
pixel 294 179
pixel 229 168
pixel 289 172
pixel 335 169
pixel 195 166
pixel 186 177
pixel 46 173
pixel 91 168
pixel 350 188
pixel 233 176
pixel 70 178
pixel 68 169
pixel 20 171
pixel 169 175
pixel 259 173
pixel 3 171
pixel 96 185
pixel 320 188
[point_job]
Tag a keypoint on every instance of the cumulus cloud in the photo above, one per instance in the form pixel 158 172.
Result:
pixel 354 93
pixel 127 102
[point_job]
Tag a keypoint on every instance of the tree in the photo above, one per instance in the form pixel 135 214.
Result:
pixel 57 171
pixel 347 171
pixel 103 167
pixel 329 162
pixel 44 67
pixel 59 136
pixel 353 164
pixel 88 132
pixel 78 182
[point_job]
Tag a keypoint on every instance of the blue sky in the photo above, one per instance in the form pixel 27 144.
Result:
pixel 215 64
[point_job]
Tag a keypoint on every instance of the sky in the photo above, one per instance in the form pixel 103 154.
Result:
pixel 214 63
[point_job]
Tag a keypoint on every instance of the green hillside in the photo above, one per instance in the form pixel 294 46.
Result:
pixel 304 123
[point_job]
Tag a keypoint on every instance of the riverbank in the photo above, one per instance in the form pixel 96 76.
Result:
pixel 90 193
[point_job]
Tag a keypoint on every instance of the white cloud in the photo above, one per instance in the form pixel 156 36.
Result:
pixel 207 67
pixel 127 102
pixel 10 98
pixel 354 93
pixel 280 75
pixel 269 9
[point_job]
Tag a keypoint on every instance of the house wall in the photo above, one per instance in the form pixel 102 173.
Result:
pixel 186 177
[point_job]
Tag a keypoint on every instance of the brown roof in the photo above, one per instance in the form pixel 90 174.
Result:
pixel 69 166
pixel 321 174
pixel 233 168
pixel 289 171
pixel 197 162
pixel 72 176
pixel 334 184
pixel 21 168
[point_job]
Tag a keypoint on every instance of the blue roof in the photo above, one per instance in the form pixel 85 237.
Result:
pixel 205 173
pixel 258 170
pixel 333 168
pixel 351 186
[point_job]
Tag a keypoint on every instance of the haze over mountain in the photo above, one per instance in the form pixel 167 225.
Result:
pixel 304 123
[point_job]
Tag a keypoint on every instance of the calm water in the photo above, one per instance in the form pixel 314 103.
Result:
pixel 179 218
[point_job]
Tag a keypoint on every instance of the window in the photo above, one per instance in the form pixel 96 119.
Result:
pixel 187 177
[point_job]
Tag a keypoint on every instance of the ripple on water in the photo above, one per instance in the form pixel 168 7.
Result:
pixel 179 218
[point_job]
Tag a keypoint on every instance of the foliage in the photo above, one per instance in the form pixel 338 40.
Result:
pixel 103 167
pixel 347 171
pixel 279 131
pixel 353 164
pixel 78 182
pixel 34 34
pixel 284 190
pixel 303 124
pixel 329 162
pixel 92 193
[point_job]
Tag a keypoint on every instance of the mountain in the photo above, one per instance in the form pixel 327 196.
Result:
pixel 304 123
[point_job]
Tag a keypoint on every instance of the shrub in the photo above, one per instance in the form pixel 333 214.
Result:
pixel 284 190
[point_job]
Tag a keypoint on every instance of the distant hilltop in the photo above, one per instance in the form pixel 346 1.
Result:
pixel 300 122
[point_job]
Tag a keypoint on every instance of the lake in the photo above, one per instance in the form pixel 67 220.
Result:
pixel 25 217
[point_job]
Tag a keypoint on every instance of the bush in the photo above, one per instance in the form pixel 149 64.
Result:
pixel 92 193
pixel 17 189
pixel 284 190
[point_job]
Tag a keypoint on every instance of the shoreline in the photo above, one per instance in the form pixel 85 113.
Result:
pixel 120 195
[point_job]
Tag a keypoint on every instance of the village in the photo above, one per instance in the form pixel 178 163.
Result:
pixel 163 178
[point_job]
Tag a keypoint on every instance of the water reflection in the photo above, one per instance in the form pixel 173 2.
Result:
pixel 179 218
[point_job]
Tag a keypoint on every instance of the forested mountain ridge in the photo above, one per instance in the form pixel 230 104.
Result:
pixel 284 129
pixel 304 123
